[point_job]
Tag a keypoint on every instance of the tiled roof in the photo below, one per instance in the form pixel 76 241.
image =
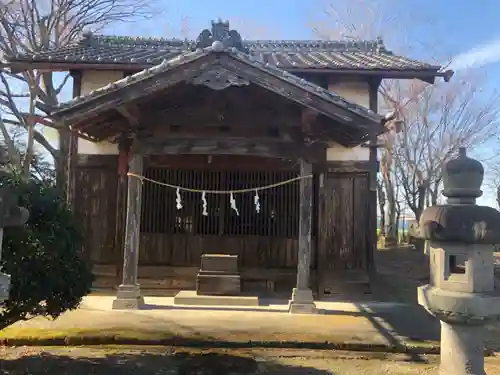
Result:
pixel 286 54
pixel 187 57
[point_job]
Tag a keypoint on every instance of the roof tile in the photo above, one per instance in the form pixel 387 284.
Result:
pixel 287 54
pixel 166 65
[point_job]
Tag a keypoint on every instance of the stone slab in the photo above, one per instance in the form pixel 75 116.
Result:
pixel 302 302
pixel 219 263
pixel 302 308
pixel 128 303
pixel 189 297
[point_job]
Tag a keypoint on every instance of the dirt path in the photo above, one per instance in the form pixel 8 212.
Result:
pixel 401 271
pixel 115 360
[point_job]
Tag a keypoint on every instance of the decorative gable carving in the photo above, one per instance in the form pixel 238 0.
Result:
pixel 219 78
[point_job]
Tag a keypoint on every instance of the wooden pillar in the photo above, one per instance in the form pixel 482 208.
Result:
pixel 121 204
pixel 374 85
pixel 129 294
pixel 302 298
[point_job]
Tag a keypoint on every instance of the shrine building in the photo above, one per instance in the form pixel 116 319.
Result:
pixel 166 133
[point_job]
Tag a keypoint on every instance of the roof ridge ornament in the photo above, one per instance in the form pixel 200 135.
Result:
pixel 86 37
pixel 380 45
pixel 220 32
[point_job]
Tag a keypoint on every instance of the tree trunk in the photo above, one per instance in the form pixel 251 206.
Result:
pixel 422 192
pixel 398 221
pixel 391 231
pixel 434 193
pixel 31 139
pixel 381 206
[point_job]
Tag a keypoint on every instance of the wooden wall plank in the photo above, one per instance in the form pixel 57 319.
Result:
pixel 167 280
pixel 186 249
pixel 343 237
pixel 95 209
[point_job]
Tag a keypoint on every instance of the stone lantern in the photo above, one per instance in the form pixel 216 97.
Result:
pixel 460 243
pixel 10 215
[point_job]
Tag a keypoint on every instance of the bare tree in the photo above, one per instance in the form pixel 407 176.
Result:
pixel 493 177
pixel 387 19
pixel 33 26
pixel 439 119
pixel 381 205
pixel 369 20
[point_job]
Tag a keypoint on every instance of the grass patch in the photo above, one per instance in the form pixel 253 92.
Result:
pixel 119 336
pixel 76 336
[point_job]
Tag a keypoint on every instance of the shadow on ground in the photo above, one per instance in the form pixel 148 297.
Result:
pixel 148 364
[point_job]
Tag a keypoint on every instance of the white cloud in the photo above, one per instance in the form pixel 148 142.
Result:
pixel 477 57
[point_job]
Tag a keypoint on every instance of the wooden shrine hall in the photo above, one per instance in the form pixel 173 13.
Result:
pixel 225 147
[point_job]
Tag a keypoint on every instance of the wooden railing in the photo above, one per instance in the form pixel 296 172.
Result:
pixel 278 216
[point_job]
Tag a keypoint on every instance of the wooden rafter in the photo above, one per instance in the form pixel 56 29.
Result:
pixel 132 113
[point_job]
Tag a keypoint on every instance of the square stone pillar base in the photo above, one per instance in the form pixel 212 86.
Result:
pixel 302 302
pixel 128 297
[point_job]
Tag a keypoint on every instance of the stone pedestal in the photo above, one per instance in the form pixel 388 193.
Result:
pixel 218 275
pixel 302 302
pixel 128 297
pixel 461 349
pixel 463 316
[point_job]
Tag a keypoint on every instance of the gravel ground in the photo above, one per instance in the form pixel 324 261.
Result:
pixel 178 361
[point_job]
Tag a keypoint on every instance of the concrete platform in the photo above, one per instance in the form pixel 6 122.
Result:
pixel 190 298
pixel 160 322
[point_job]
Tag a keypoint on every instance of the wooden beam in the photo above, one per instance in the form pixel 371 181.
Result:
pixel 103 130
pixel 103 162
pixel 347 167
pixel 308 119
pixel 265 147
pixel 223 163
pixel 130 112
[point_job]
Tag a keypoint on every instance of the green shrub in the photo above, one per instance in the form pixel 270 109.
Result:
pixel 48 275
